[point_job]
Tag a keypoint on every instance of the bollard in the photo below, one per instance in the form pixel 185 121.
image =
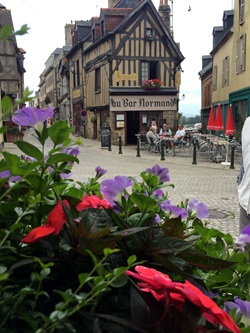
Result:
pixel 120 145
pixel 232 157
pixel 194 152
pixel 162 151
pixel 109 138
pixel 138 146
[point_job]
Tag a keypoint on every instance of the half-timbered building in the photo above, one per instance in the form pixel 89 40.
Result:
pixel 131 45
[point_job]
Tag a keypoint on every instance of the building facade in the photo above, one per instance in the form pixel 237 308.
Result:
pixel 231 64
pixel 206 89
pixel 11 67
pixel 132 45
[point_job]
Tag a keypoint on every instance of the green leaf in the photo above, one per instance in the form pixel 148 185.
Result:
pixel 22 31
pixel 6 31
pixel 38 184
pixel 131 260
pixel 59 132
pixel 84 277
pixel 61 157
pixel 119 281
pixel 144 203
pixel 30 150
pixel 6 105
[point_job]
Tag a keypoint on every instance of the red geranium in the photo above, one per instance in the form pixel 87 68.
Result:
pixel 164 290
pixel 92 201
pixel 54 224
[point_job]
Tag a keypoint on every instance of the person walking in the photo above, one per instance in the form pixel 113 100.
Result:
pixel 244 178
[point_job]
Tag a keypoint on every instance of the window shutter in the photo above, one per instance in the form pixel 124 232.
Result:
pixel 237 57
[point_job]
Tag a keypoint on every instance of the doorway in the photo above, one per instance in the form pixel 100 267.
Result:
pixel 133 126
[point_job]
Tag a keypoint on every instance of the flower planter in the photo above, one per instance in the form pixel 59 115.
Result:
pixel 11 137
pixel 150 88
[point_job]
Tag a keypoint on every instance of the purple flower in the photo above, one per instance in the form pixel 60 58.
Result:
pixel 162 173
pixel 174 211
pixel 242 308
pixel 110 188
pixel 73 151
pixel 244 238
pixel 158 193
pixel 33 117
pixel 99 172
pixel 66 175
pixel 197 207
pixel 157 218
pixel 5 174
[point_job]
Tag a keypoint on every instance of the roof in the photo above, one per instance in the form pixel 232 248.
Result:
pixel 206 69
pixel 131 14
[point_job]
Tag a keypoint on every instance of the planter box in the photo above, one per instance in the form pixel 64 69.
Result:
pixel 11 137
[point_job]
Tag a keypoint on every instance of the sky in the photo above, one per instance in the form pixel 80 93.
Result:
pixel 47 18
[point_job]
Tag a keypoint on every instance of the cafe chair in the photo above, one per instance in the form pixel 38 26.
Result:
pixel 154 146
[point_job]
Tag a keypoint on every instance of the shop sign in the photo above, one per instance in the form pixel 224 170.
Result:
pixel 143 103
pixel 129 77
pixel 76 93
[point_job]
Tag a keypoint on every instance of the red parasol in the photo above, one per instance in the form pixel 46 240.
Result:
pixel 210 124
pixel 230 129
pixel 218 123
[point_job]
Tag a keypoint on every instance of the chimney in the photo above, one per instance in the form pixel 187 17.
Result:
pixel 164 12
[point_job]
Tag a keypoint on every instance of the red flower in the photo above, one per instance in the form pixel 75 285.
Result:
pixel 92 202
pixel 54 224
pixel 163 289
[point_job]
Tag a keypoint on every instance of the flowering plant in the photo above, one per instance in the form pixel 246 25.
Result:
pixel 152 83
pixel 72 252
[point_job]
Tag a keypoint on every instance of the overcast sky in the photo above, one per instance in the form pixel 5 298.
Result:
pixel 47 18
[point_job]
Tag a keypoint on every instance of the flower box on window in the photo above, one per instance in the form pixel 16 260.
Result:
pixel 152 84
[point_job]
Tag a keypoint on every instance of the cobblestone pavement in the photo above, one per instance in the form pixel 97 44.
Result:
pixel 210 182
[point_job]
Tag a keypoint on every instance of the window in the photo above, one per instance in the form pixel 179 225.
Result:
pixel 77 73
pixel 214 78
pixel 243 52
pixel 148 71
pixel 241 10
pixel 237 57
pixel 225 72
pixel 98 79
pixel 149 33
pixel 102 28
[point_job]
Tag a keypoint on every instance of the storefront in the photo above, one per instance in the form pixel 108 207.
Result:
pixel 134 110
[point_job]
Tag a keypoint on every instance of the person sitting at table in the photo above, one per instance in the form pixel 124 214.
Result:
pixel 152 136
pixel 178 137
pixel 165 133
